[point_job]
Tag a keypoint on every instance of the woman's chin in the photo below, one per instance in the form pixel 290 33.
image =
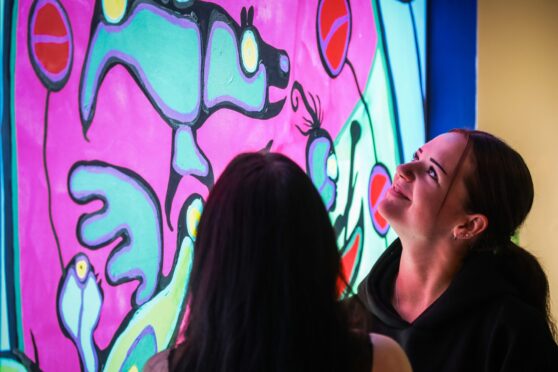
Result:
pixel 387 209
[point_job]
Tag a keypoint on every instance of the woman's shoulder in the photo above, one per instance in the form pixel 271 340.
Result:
pixel 510 311
pixel 158 362
pixel 359 316
pixel 388 355
pixel 520 336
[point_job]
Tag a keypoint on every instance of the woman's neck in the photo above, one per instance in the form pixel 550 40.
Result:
pixel 425 272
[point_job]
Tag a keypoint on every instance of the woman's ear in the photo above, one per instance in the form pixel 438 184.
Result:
pixel 472 227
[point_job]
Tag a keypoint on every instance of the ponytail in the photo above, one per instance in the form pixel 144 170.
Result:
pixel 501 188
pixel 524 272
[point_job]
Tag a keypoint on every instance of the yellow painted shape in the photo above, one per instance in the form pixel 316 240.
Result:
pixel 114 10
pixel 193 220
pixel 82 268
pixel 249 52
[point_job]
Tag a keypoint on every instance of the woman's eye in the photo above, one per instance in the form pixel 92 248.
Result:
pixel 432 173
pixel 415 156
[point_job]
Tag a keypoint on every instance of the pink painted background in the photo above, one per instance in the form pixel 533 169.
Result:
pixel 128 132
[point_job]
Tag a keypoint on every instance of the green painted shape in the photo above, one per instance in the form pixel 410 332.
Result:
pixel 188 158
pixel 92 303
pixel 382 137
pixel 79 308
pixel 381 58
pixel 71 305
pixel 391 235
pixel 10 365
pixel 168 56
pixel 381 111
pixel 319 152
pixel 169 302
pixel 146 347
pixel 140 257
pixel 225 79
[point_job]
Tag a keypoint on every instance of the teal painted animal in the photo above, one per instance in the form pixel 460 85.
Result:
pixel 190 59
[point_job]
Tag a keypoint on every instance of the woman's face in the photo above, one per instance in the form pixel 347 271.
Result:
pixel 414 205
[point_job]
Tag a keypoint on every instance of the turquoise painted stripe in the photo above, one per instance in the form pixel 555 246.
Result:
pixel 401 49
pixel 419 8
pixel 16 308
pixel 5 332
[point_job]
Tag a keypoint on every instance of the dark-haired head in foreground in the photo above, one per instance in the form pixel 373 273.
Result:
pixel 263 283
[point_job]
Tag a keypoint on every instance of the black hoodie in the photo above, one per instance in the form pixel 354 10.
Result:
pixel 478 324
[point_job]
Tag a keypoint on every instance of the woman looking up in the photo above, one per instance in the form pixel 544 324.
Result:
pixel 453 290
pixel 262 290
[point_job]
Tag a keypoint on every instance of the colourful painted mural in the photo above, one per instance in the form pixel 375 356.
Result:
pixel 123 114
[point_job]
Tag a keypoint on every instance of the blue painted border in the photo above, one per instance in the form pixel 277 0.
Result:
pixel 451 65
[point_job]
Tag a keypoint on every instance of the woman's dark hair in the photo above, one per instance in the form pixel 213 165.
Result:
pixel 263 288
pixel 500 187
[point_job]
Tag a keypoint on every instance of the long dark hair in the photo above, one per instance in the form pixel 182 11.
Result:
pixel 500 187
pixel 263 283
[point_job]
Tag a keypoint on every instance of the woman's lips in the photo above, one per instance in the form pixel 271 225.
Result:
pixel 396 191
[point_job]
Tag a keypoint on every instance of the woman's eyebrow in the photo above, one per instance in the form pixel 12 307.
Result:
pixel 439 166
pixel 435 162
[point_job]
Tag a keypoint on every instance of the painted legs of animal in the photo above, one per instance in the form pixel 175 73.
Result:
pixel 187 159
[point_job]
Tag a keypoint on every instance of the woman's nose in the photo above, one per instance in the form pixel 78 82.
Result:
pixel 405 171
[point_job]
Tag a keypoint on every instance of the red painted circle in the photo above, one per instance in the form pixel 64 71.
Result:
pixel 334 27
pixel 380 182
pixel 50 42
pixel 377 185
pixel 348 263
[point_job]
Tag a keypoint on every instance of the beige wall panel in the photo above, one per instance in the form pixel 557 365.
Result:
pixel 518 101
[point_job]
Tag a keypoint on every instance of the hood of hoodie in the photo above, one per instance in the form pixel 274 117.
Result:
pixel 476 284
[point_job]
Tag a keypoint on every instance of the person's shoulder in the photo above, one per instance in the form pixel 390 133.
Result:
pixel 359 316
pixel 522 326
pixel 520 338
pixel 513 312
pixel 158 362
pixel 388 355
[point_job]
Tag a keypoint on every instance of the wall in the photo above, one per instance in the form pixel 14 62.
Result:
pixel 452 65
pixel 123 114
pixel 518 101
